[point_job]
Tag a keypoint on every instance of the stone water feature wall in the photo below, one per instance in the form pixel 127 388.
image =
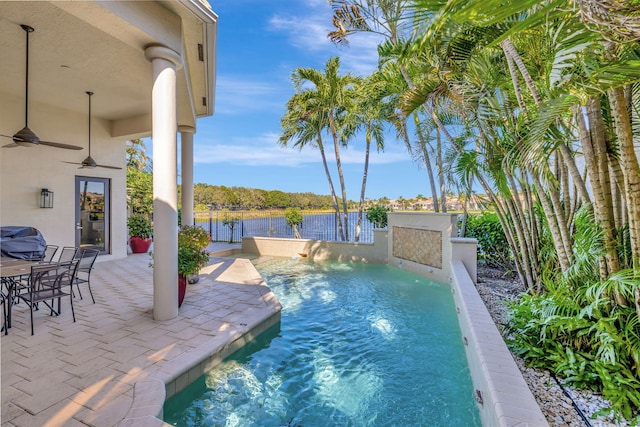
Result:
pixel 420 242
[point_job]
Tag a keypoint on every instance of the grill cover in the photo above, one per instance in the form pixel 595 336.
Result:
pixel 21 242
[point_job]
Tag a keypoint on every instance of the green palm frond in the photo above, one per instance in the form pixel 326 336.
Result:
pixel 566 55
pixel 624 283
pixel 618 74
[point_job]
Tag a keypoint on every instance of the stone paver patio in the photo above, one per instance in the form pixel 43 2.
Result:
pixel 110 367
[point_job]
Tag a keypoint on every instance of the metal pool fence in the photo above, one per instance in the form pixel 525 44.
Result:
pixel 232 226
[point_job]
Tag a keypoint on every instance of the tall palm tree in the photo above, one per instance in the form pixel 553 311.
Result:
pixel 301 125
pixel 327 96
pixel 372 110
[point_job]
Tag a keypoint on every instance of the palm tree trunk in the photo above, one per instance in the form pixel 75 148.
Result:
pixel 569 160
pixel 629 165
pixel 554 219
pixel 552 207
pixel 427 162
pixel 334 198
pixel 516 85
pixel 443 195
pixel 336 147
pixel 364 184
pixel 595 154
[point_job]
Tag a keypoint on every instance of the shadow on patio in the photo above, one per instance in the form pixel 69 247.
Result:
pixel 84 373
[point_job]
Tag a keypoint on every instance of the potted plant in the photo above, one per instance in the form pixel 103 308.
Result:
pixel 140 232
pixel 192 256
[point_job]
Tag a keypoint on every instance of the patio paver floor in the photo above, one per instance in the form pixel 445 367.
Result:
pixel 84 373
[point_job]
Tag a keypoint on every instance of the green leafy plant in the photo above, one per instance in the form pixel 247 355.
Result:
pixel 190 234
pixel 139 226
pixel 493 248
pixel 378 215
pixel 230 221
pixel 192 255
pixel 294 218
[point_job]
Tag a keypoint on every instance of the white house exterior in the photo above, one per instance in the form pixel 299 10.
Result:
pixel 151 67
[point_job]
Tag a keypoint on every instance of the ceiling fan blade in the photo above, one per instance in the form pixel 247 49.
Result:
pixel 108 167
pixel 12 145
pixel 60 145
pixel 72 163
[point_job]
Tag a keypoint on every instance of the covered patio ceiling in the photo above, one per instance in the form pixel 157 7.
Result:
pixel 99 46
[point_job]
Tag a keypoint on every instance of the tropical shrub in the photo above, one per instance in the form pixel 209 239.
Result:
pixel 580 337
pixel 378 215
pixel 493 248
pixel 293 218
pixel 577 330
pixel 192 255
pixel 193 235
pixel 139 226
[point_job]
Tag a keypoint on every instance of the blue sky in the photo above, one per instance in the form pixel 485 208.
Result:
pixel 260 43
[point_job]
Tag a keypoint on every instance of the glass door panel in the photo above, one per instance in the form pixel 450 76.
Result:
pixel 92 213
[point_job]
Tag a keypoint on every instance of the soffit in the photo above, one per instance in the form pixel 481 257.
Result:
pixel 98 46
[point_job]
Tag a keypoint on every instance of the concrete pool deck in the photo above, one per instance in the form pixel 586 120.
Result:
pixel 115 365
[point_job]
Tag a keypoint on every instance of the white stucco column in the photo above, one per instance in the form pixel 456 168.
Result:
pixel 186 151
pixel 164 63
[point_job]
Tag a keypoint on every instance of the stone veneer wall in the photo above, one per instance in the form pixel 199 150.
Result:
pixel 417 245
pixel 419 242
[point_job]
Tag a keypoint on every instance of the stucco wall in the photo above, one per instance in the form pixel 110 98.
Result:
pixel 26 170
pixel 319 250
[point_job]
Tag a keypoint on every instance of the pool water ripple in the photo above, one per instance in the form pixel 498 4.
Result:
pixel 358 345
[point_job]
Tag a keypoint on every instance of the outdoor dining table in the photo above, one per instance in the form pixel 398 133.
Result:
pixel 10 270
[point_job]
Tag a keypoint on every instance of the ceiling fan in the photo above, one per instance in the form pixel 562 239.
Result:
pixel 26 137
pixel 89 162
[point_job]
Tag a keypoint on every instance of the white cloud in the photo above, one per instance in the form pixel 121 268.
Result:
pixel 309 34
pixel 306 33
pixel 265 151
pixel 236 95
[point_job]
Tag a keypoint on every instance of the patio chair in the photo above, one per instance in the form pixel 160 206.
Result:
pixel 86 259
pixel 67 254
pixel 5 325
pixel 48 283
pixel 49 253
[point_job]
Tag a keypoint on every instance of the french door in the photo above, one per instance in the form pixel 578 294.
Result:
pixel 93 215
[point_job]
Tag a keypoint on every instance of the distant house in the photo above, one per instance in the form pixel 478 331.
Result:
pixel 151 68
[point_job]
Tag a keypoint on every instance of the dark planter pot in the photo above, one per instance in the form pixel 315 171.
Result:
pixel 139 245
pixel 182 288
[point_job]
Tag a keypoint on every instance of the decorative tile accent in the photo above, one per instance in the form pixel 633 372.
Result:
pixel 418 245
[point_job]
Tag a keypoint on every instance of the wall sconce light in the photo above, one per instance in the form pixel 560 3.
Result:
pixel 46 198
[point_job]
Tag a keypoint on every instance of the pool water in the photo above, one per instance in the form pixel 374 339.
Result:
pixel 357 345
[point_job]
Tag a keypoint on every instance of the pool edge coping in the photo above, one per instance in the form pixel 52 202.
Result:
pixel 493 369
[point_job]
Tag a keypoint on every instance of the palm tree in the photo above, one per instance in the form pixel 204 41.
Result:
pixel 301 125
pixel 327 96
pixel 370 114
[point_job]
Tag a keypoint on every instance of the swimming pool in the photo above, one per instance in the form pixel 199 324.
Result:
pixel 358 345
